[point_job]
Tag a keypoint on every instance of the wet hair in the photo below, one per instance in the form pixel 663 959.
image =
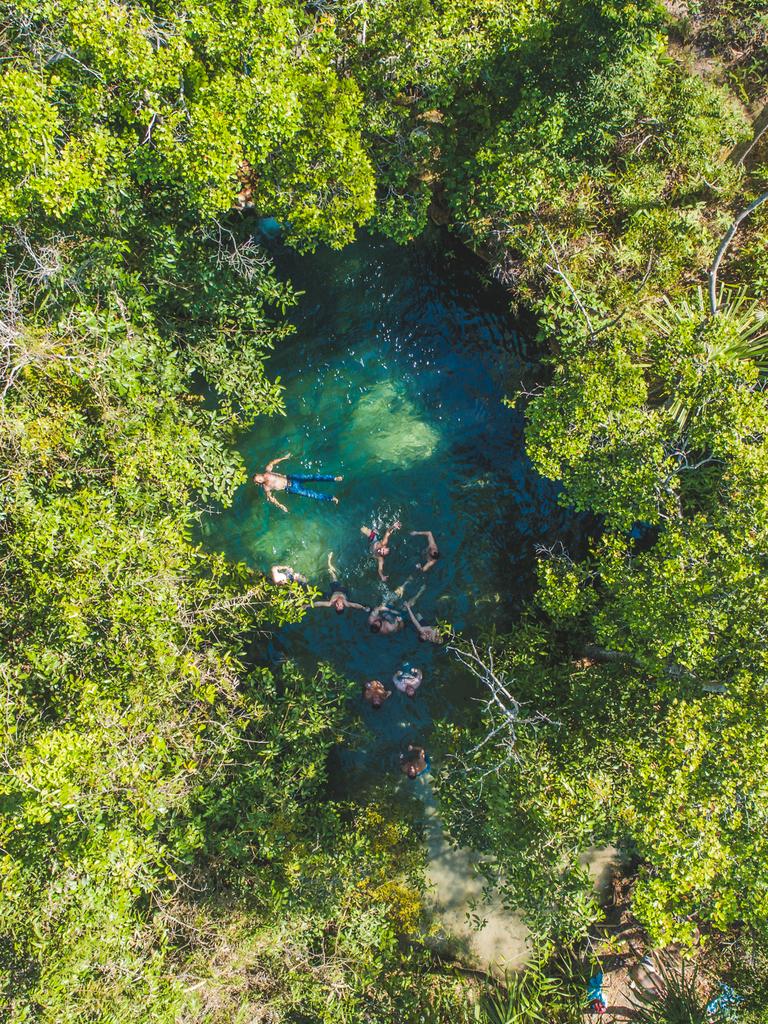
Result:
pixel 411 771
pixel 376 701
pixel 433 553
pixel 338 605
pixel 376 626
pixel 383 550
pixel 258 478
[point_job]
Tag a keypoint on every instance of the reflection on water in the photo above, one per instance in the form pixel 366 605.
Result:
pixel 395 378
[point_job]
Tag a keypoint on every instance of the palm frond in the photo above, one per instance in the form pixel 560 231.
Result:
pixel 737 333
pixel 747 320
pixel 531 997
pixel 680 1000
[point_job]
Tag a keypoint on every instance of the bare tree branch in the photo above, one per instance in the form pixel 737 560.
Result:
pixel 502 708
pixel 561 274
pixel 245 258
pixel 712 274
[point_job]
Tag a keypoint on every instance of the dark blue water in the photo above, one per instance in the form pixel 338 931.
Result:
pixel 396 379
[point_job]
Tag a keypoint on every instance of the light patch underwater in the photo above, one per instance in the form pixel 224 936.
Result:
pixel 391 429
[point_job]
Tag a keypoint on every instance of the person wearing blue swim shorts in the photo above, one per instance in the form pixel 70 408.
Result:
pixel 292 483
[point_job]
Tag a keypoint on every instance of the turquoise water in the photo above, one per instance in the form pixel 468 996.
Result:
pixel 395 379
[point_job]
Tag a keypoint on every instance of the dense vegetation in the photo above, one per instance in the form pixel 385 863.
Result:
pixel 169 850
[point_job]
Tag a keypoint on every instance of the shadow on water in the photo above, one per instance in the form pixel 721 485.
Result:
pixel 395 378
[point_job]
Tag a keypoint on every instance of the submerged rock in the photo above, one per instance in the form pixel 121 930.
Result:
pixel 390 427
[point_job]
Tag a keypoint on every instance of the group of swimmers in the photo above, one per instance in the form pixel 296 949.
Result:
pixel 383 619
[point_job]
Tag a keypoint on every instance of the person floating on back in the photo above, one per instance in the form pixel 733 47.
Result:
pixel 380 545
pixel 432 553
pixel 414 762
pixel 375 693
pixel 291 483
pixel 427 634
pixel 385 620
pixel 338 594
pixel 282 574
pixel 407 679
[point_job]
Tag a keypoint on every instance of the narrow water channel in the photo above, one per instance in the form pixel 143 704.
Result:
pixel 395 378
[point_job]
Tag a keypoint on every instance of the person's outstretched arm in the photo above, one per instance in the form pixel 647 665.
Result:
pixel 425 533
pixel 426 566
pixel 390 530
pixel 332 568
pixel 429 561
pixel 414 620
pixel 273 500
pixel 380 563
pixel 276 462
pixel 320 604
pixel 360 607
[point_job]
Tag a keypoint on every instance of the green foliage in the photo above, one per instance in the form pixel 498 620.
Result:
pixel 591 430
pixel 184 103
pixel 533 997
pixel 538 801
pixel 682 1000
pixel 737 31
pixel 651 655
pixel 648 749
pixel 743 963
pixel 563 592
pixel 169 848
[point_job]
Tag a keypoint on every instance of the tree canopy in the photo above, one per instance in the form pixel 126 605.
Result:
pixel 169 847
